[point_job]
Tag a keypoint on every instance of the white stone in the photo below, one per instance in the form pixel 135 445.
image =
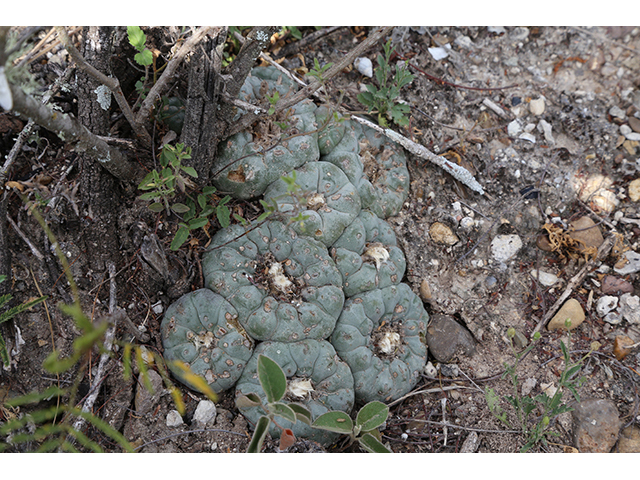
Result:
pixel 546 129
pixel 205 412
pixel 617 112
pixel 545 278
pixel 630 308
pixel 613 318
pixel 536 107
pixel 505 247
pixel 528 136
pixel 174 419
pixel 606 304
pixel 632 265
pixel 514 128
pixel 364 66
pixel 438 53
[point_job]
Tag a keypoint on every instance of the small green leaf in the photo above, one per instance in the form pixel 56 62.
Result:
pixel 372 445
pixel 137 38
pixel 336 421
pixel 224 216
pixel 272 379
pixel 189 171
pixel 262 427
pixel 180 208
pixel 372 415
pixel 144 58
pixel 283 410
pixel 156 207
pixel 181 236
pixel 198 223
pixel 302 413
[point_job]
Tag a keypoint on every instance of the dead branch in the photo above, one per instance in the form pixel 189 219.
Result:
pixel 77 135
pixel 169 73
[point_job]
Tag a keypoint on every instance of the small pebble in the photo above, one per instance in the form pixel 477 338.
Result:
pixel 629 308
pixel 425 291
pixel 634 190
pixel 441 233
pixel 596 423
pixel 587 232
pixel 546 279
pixel 536 107
pixel 606 304
pixel 617 112
pixel 205 413
pixel 571 310
pixel 505 247
pixel 446 339
pixel 629 263
pixel 629 440
pixel 174 419
pixel 634 123
pixel 612 285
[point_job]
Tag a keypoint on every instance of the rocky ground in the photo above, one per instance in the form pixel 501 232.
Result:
pixel 548 121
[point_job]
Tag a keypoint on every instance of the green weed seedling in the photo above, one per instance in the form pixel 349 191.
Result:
pixel 274 383
pixel 383 98
pixel 364 430
pixel 161 186
pixel 144 57
pixel 545 407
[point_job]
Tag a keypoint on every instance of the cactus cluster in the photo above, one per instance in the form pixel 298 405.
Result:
pixel 321 296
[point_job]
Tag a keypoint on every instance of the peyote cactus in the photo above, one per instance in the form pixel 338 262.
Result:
pixel 285 287
pixel 320 296
pixel 332 201
pixel 201 329
pixel 367 255
pixel 381 336
pixel 316 378
pixel 248 163
pixel 375 165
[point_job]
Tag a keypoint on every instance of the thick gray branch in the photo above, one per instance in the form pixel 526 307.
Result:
pixel 72 131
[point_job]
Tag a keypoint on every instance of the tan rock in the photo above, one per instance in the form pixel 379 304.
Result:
pixel 571 310
pixel 629 441
pixel 441 233
pixel 634 190
pixel 586 231
pixel 425 291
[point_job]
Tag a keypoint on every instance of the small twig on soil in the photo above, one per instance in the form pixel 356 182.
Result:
pixel 603 251
pixel 428 390
pixel 294 47
pixel 33 248
pixel 471 429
